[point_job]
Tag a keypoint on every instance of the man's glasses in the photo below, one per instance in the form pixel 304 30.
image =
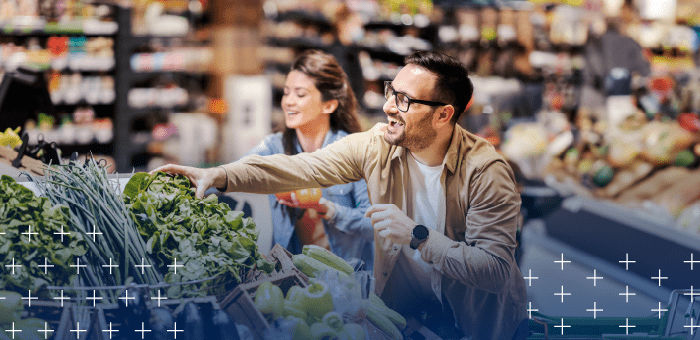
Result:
pixel 403 101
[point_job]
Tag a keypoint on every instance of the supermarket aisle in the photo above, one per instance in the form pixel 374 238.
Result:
pixel 539 256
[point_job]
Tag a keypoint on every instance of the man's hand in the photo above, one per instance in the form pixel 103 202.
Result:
pixel 391 222
pixel 202 179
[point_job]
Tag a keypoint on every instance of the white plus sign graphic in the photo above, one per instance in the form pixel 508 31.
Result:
pixel 562 326
pixel 595 310
pixel 529 277
pixel 595 277
pixel 110 266
pixel 692 326
pixel 126 298
pixel 159 298
pixel 175 330
pixel 627 294
pixel 77 330
pixel 530 310
pixel 46 330
pixel 62 234
pixel 627 326
pixel 692 262
pixel 29 298
pixel 13 266
pixel 110 330
pixel 562 294
pixel 13 330
pixel 659 277
pixel 94 298
pixel 78 265
pixel 46 266
pixel 627 261
pixel 29 234
pixel 143 331
pixel 692 294
pixel 62 298
pixel 94 233
pixel 659 310
pixel 143 265
pixel 175 265
pixel 562 261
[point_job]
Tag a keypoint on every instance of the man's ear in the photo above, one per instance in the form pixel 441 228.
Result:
pixel 445 114
pixel 329 106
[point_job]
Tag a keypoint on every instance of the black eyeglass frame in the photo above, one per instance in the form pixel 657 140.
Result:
pixel 387 85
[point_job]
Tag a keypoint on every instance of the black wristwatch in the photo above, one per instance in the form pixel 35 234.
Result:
pixel 419 235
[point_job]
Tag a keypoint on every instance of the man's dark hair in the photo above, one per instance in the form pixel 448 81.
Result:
pixel 453 84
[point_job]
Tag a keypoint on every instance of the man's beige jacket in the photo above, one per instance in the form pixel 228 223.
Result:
pixel 475 255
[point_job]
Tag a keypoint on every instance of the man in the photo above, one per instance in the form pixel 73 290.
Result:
pixel 445 207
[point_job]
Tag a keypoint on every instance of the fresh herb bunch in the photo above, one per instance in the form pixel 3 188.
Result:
pixel 207 237
pixel 96 205
pixel 19 209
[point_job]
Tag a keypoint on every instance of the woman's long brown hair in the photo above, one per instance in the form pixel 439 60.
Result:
pixel 330 79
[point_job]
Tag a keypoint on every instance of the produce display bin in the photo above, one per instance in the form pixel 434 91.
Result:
pixel 240 306
pixel 106 313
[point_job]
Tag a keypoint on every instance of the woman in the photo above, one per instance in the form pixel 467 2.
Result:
pixel 319 108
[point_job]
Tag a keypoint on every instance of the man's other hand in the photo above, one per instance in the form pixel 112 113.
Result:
pixel 202 179
pixel 392 223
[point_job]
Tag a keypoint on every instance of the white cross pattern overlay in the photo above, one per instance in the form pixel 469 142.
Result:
pixel 595 277
pixel 562 261
pixel 659 277
pixel 595 310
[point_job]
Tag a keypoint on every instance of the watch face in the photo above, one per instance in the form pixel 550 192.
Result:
pixel 420 232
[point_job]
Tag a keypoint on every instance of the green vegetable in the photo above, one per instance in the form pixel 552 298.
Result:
pixel 392 315
pixel 325 256
pixel 684 158
pixel 317 299
pixel 382 322
pixel 20 209
pixel 207 237
pixel 10 306
pixel 321 331
pixel 291 308
pixel 352 331
pixel 96 204
pixel 269 299
pixel 311 266
pixel 300 329
pixel 333 320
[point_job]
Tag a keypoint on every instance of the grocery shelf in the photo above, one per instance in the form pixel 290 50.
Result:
pixel 40 33
pixel 303 16
pixel 300 42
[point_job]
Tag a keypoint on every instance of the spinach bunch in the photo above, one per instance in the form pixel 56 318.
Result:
pixel 19 209
pixel 205 236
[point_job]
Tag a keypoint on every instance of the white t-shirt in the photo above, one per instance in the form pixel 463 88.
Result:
pixel 426 206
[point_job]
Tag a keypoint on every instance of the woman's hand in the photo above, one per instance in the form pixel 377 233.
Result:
pixel 324 207
pixel 202 179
